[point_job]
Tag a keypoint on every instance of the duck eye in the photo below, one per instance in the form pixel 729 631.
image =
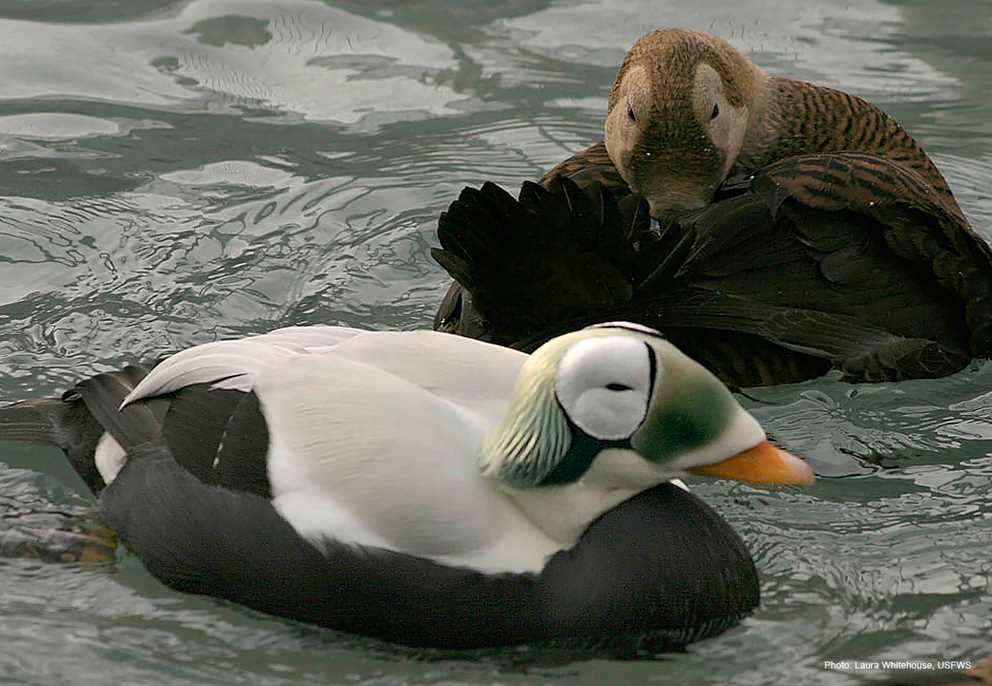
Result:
pixel 716 111
pixel 630 113
pixel 618 387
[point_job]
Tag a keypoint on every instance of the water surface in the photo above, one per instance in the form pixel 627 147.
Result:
pixel 177 172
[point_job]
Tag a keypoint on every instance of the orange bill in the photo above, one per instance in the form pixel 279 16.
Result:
pixel 763 464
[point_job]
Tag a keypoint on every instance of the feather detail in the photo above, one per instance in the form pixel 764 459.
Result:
pixel 534 436
pixel 234 365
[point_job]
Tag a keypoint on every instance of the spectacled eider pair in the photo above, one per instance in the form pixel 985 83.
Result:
pixel 424 488
pixel 798 228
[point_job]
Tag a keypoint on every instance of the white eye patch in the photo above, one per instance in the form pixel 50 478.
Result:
pixel 726 124
pixel 604 385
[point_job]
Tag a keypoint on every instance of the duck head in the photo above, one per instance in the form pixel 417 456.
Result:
pixel 600 414
pixel 679 112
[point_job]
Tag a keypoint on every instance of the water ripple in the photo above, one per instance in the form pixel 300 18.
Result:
pixel 185 171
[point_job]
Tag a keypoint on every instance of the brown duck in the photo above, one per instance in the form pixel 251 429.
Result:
pixel 796 228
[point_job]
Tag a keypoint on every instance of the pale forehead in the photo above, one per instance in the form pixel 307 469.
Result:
pixel 625 326
pixel 665 42
pixel 671 60
pixel 602 359
pixel 634 332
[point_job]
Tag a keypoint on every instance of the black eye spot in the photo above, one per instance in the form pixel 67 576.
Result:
pixel 716 111
pixel 630 113
pixel 618 387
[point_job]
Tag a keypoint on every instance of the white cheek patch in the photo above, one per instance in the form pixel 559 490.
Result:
pixel 619 133
pixel 729 133
pixel 604 385
pixel 728 128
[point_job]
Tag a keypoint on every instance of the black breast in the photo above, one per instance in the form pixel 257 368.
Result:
pixel 662 568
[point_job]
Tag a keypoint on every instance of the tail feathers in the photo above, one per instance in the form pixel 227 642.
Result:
pixel 60 423
pixel 76 421
pixel 38 421
pixel 517 258
pixel 31 421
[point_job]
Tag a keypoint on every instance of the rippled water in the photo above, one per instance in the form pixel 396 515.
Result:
pixel 175 172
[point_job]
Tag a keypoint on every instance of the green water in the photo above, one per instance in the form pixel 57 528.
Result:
pixel 180 171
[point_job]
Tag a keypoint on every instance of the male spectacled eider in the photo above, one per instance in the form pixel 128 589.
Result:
pixel 799 228
pixel 424 488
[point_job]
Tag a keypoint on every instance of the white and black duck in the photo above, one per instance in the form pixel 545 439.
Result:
pixel 424 488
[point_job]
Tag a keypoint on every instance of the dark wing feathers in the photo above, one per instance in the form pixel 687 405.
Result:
pixel 860 350
pixel 911 217
pixel 498 247
pixel 241 461
pixel 846 258
pixel 723 232
pixel 103 394
pixel 808 251
pixel 218 435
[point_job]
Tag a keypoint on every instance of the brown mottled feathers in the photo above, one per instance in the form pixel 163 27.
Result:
pixel 592 165
pixel 498 247
pixel 826 120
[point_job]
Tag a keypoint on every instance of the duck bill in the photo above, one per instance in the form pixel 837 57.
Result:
pixel 763 464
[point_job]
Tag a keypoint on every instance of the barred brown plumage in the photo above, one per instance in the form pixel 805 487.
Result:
pixel 835 121
pixel 803 229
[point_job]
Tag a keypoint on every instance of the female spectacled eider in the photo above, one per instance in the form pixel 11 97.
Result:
pixel 424 488
pixel 799 228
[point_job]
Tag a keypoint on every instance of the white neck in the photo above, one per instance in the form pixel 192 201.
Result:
pixel 565 512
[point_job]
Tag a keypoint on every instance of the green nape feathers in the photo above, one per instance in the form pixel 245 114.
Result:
pixel 534 436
